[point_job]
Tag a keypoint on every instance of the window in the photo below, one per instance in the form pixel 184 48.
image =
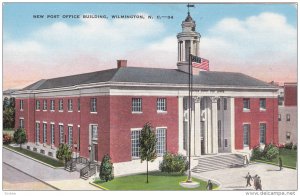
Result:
pixel 78 139
pixel 135 143
pixel 37 105
pixel 70 130
pixel 52 105
pixel 161 104
pixel 288 117
pixel 246 104
pixel 226 143
pixel 61 134
pixel 219 134
pixel 37 132
pixel 60 105
pixel 136 104
pixel 279 117
pixel 78 104
pixel 246 130
pixel 202 103
pixel 45 133
pixel 21 124
pixel 262 104
pixel 225 103
pixel 161 141
pixel 288 136
pixel 70 105
pixel 93 105
pixel 94 132
pixel 185 103
pixel 185 134
pixel 262 133
pixel 21 104
pixel 218 104
pixel 52 134
pixel 45 104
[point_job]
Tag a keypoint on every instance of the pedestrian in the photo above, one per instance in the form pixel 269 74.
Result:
pixel 259 186
pixel 209 185
pixel 246 160
pixel 280 163
pixel 255 178
pixel 248 179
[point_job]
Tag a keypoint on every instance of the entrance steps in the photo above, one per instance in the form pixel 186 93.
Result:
pixel 216 162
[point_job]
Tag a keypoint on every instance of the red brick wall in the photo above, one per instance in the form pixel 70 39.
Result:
pixel 254 117
pixel 123 120
pixel 290 95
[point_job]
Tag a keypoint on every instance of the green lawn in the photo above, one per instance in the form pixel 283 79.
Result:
pixel 157 181
pixel 289 158
pixel 37 156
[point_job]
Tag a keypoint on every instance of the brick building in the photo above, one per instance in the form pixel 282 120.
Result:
pixel 103 112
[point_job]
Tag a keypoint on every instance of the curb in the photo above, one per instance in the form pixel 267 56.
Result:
pixel 32 158
pixel 213 181
pixel 32 176
pixel 101 187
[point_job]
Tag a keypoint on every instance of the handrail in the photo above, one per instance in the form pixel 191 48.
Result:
pixel 84 171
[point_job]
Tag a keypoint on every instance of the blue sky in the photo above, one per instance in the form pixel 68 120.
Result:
pixel 58 44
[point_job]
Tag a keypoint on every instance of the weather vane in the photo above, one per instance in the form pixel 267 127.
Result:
pixel 190 5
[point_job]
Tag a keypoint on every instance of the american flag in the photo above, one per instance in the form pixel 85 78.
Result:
pixel 200 63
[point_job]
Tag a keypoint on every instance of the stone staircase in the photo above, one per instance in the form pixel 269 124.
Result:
pixel 216 162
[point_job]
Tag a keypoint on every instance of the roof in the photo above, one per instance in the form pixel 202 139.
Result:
pixel 152 76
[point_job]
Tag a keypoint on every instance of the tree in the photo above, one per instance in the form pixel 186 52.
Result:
pixel 8 113
pixel 147 145
pixel 20 136
pixel 106 169
pixel 64 153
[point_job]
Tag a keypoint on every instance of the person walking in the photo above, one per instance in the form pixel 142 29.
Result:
pixel 255 178
pixel 259 186
pixel 209 185
pixel 280 163
pixel 248 179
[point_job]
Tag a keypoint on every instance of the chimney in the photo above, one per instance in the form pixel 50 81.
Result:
pixel 122 63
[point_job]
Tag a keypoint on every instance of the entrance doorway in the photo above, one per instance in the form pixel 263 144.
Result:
pixel 94 153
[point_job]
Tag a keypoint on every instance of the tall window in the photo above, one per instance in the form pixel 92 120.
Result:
pixel 246 130
pixel 288 117
pixel 262 103
pixel 135 143
pixel 44 133
pixel 37 132
pixel 61 134
pixel 70 105
pixel 21 104
pixel 21 124
pixel 93 104
pixel 218 104
pixel 94 132
pixel 219 134
pixel 225 103
pixel 202 103
pixel 161 141
pixel 70 130
pixel 185 134
pixel 52 134
pixel 161 104
pixel 52 105
pixel 262 133
pixel 78 104
pixel 136 104
pixel 78 139
pixel 45 104
pixel 37 105
pixel 246 104
pixel 60 105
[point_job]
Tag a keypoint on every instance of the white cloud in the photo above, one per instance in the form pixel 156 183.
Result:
pixel 257 44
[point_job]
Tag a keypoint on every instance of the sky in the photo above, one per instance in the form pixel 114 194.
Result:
pixel 259 40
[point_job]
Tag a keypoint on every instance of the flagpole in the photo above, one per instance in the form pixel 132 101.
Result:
pixel 190 112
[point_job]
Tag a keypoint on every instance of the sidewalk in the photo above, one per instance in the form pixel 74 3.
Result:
pixel 58 178
pixel 271 177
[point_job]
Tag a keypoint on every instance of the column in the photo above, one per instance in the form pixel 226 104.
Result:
pixel 183 51
pixel 178 51
pixel 197 128
pixel 232 125
pixel 180 125
pixel 214 130
pixel 208 134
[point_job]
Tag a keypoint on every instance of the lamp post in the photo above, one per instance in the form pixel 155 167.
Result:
pixel 90 148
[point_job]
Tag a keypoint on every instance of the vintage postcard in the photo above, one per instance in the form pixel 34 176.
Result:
pixel 150 97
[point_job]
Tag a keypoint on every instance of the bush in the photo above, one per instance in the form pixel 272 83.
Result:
pixel 106 169
pixel 173 163
pixel 256 153
pixel 270 152
pixel 289 145
pixel 7 139
pixel 295 146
